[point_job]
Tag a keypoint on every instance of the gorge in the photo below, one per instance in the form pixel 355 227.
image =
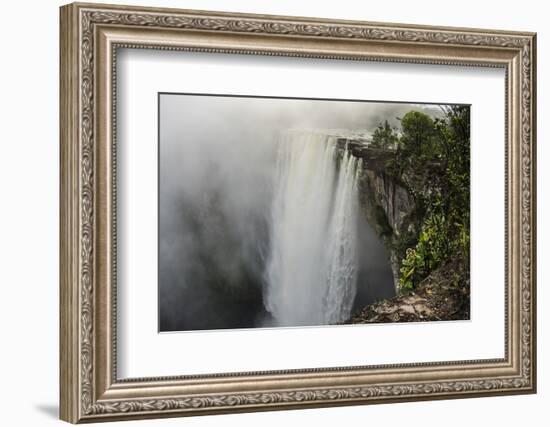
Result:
pixel 324 253
pixel 265 223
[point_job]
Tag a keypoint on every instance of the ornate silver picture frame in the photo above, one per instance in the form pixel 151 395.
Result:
pixel 91 37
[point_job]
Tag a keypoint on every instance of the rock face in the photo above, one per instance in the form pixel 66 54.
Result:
pixel 393 198
pixel 390 210
pixel 389 207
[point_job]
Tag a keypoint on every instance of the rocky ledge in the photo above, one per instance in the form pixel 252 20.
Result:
pixel 436 298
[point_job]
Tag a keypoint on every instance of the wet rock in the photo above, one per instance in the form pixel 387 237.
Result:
pixel 387 203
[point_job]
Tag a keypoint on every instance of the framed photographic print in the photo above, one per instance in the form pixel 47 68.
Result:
pixel 266 212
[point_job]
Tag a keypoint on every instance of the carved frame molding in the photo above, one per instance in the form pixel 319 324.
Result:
pixel 90 36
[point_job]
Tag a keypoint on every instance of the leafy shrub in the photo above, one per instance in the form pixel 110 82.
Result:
pixel 428 254
pixel 433 160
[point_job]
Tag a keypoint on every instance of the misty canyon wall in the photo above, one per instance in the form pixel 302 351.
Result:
pixel 387 204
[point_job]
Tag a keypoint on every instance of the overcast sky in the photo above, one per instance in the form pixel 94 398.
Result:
pixel 232 112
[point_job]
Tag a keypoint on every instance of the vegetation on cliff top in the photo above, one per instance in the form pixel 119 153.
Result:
pixel 432 160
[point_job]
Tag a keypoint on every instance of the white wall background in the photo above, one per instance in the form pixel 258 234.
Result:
pixel 29 170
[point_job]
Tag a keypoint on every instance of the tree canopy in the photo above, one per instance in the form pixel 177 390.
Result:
pixel 432 160
pixel 384 136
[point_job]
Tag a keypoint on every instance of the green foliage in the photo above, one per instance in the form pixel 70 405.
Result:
pixel 416 145
pixel 384 136
pixel 433 161
pixel 432 248
pixel 417 134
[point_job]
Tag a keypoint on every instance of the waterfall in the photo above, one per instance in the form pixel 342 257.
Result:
pixel 311 269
